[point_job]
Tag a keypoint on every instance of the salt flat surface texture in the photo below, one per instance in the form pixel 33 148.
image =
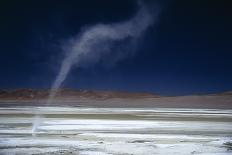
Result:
pixel 115 131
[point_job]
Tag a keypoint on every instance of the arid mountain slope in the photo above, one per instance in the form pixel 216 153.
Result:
pixel 25 94
pixel 118 99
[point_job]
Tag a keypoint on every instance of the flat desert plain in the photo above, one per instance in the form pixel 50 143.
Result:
pixel 114 123
pixel 114 131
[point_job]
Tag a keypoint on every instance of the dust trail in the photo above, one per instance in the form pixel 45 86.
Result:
pixel 100 41
pixel 96 41
pixel 37 121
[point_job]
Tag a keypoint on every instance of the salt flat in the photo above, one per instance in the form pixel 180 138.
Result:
pixel 115 131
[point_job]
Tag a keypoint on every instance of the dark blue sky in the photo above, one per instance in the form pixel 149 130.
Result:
pixel 188 50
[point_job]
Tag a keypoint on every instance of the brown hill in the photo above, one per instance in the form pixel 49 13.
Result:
pixel 24 94
pixel 90 98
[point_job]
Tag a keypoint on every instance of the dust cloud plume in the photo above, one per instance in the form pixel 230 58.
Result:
pixel 95 42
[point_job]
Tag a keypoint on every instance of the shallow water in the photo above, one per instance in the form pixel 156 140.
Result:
pixel 117 131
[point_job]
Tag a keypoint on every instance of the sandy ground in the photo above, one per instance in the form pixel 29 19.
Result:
pixel 115 131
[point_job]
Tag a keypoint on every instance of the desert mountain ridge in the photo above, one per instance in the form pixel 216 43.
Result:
pixel 118 99
pixel 71 93
pixel 26 93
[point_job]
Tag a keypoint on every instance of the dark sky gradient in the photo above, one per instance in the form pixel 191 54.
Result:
pixel 189 49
